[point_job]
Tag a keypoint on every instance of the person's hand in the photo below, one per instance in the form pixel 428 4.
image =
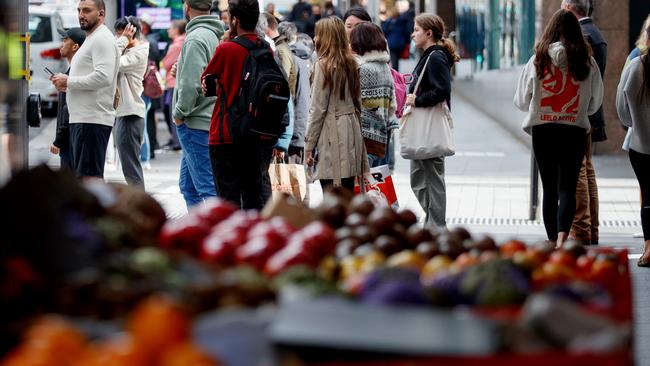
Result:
pixel 129 32
pixel 172 71
pixel 226 36
pixel 178 121
pixel 60 82
pixel 410 100
pixel 204 88
pixel 55 150
pixel 278 154
pixel 309 158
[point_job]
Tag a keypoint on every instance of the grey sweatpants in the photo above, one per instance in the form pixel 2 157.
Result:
pixel 128 132
pixel 428 184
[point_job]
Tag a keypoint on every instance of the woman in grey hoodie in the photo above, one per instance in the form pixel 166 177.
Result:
pixel 559 88
pixel 633 106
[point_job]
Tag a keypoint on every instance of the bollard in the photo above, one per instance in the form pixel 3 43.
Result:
pixel 534 188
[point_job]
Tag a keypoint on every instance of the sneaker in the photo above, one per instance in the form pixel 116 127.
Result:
pixel 146 165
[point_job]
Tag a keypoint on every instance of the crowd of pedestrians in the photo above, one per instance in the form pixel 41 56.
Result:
pixel 244 89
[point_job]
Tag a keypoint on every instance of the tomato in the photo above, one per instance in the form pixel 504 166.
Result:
pixel 563 257
pixel 509 248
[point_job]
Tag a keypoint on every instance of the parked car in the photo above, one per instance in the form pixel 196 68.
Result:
pixel 44 52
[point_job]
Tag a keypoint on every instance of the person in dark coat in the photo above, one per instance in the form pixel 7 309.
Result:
pixel 585 223
pixel 397 36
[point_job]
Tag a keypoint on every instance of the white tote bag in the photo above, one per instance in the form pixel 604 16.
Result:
pixel 426 133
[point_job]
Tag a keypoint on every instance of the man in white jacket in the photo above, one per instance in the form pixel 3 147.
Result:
pixel 129 126
pixel 91 91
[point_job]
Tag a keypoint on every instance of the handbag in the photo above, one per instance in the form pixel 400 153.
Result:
pixel 151 82
pixel 379 185
pixel 426 133
pixel 288 179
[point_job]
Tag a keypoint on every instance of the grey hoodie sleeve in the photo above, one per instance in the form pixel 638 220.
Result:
pixel 596 89
pixel 622 106
pixel 524 93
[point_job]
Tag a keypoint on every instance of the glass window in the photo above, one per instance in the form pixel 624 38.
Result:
pixel 40 28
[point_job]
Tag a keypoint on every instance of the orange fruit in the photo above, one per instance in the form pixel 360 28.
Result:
pixel 158 323
pixel 187 354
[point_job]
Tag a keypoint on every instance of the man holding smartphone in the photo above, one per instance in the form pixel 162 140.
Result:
pixel 73 38
pixel 91 90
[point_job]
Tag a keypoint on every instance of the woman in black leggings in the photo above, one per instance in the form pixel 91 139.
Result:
pixel 633 106
pixel 559 88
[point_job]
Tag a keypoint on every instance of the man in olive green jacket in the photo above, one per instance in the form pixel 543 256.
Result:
pixel 191 109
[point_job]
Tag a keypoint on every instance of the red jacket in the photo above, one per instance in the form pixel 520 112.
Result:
pixel 227 65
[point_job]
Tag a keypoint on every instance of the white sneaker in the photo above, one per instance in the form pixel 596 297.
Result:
pixel 146 165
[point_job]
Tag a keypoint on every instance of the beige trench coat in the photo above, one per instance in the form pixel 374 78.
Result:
pixel 335 130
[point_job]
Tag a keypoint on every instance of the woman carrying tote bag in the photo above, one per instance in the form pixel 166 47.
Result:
pixel 427 107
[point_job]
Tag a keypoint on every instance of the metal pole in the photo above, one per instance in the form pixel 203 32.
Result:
pixel 534 188
pixel 494 34
pixel 527 30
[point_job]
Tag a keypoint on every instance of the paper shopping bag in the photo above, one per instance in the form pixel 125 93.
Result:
pixel 288 179
pixel 379 183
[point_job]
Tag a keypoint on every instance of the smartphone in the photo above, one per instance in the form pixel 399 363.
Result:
pixel 48 71
pixel 211 85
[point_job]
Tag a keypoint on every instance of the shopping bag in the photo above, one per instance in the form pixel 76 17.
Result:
pixel 379 185
pixel 426 133
pixel 288 179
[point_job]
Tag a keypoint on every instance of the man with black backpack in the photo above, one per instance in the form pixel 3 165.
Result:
pixel 248 118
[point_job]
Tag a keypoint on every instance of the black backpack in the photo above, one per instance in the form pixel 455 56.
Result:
pixel 257 116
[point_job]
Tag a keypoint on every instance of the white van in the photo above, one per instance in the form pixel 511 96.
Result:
pixel 44 52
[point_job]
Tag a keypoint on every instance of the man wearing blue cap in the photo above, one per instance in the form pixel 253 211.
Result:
pixel 73 38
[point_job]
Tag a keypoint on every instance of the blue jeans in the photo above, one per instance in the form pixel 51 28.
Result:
pixel 145 149
pixel 196 181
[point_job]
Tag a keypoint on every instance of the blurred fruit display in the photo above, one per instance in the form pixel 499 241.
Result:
pixel 124 262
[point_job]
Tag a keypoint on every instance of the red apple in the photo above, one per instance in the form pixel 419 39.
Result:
pixel 291 255
pixel 317 238
pixel 185 233
pixel 276 230
pixel 257 251
pixel 216 249
pixel 214 210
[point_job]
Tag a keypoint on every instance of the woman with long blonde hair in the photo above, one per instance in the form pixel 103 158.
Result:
pixel 334 129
